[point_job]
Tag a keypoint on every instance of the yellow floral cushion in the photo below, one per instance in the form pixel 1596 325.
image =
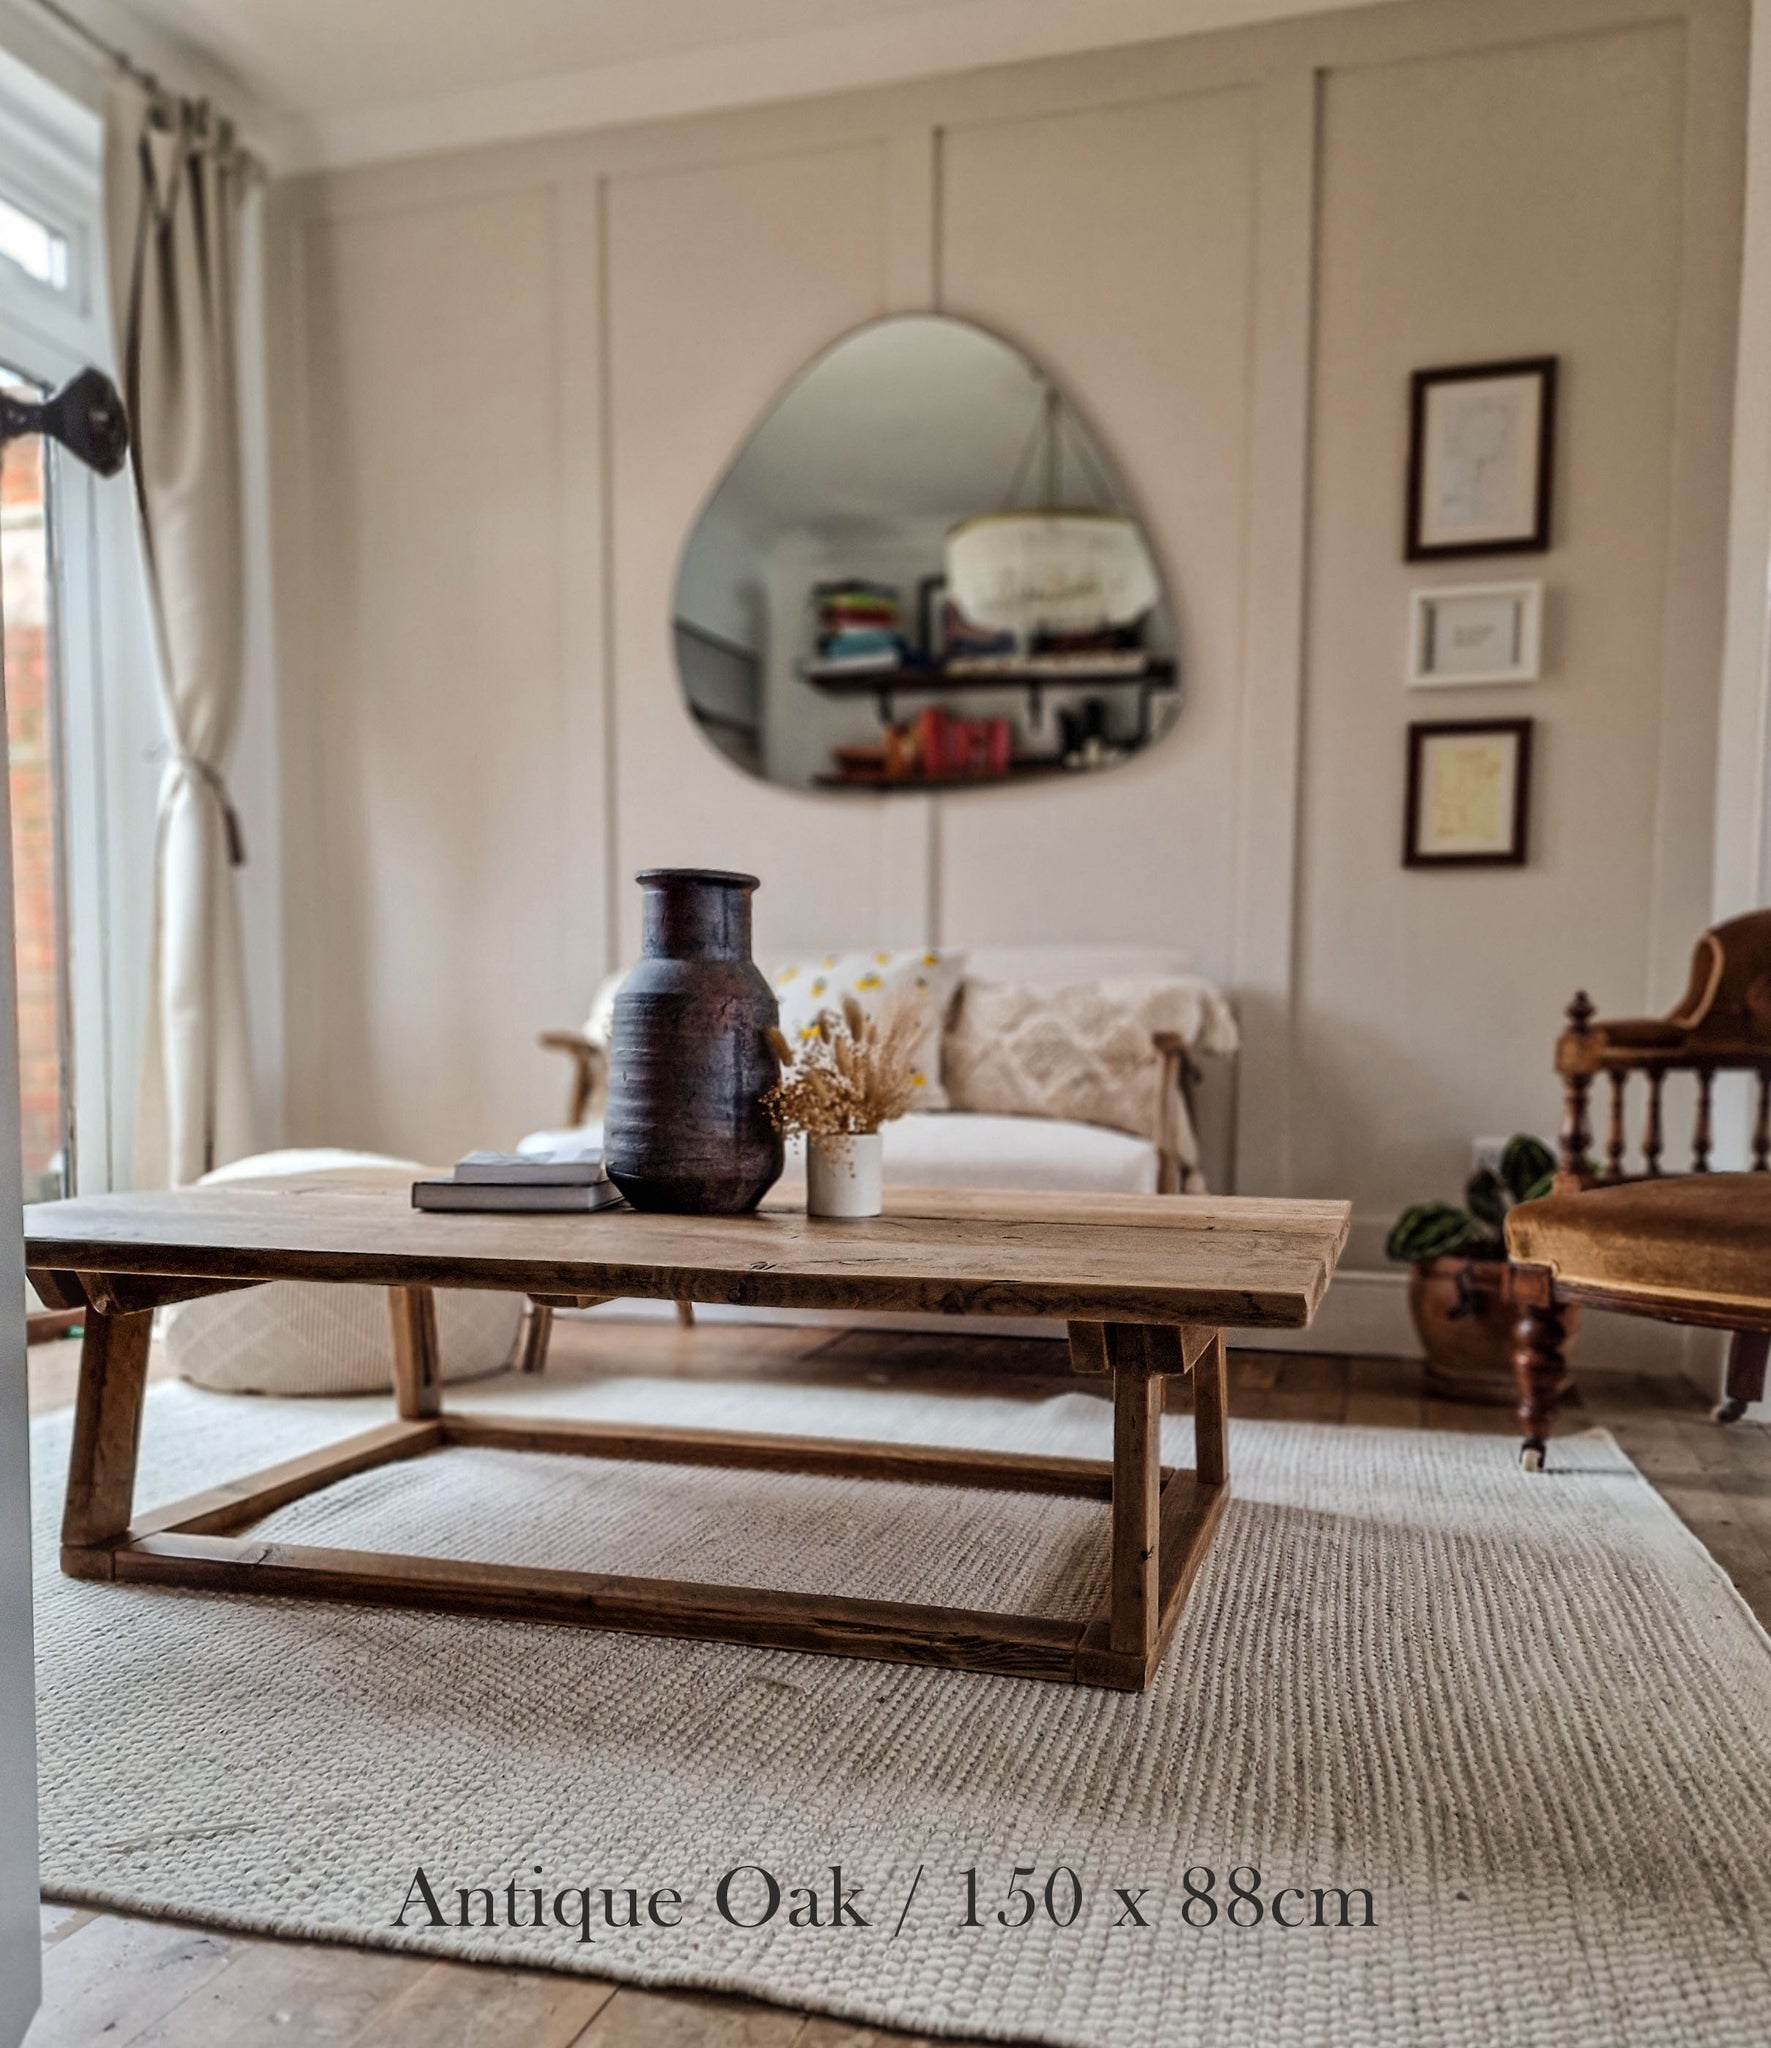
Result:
pixel 925 976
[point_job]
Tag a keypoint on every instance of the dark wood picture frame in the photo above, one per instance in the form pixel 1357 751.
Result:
pixel 1420 387
pixel 1420 731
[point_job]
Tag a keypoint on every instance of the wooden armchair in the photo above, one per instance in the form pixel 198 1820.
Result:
pixel 1178 1076
pixel 590 1069
pixel 1691 1247
pixel 590 1078
pixel 1722 1024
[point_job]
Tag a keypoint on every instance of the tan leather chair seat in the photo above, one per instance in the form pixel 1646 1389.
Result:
pixel 1704 1235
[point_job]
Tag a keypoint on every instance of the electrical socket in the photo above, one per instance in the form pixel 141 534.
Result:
pixel 1486 1152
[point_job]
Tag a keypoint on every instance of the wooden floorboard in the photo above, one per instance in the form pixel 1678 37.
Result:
pixel 129 1983
pixel 113 1978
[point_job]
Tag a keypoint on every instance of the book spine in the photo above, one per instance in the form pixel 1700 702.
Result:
pixel 931 740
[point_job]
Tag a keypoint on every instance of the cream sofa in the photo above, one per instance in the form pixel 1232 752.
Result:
pixel 1185 1146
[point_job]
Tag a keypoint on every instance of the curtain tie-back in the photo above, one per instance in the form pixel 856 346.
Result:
pixel 206 771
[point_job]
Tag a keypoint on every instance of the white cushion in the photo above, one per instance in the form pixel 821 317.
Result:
pixel 297 1159
pixel 961 1150
pixel 324 1337
pixel 966 1150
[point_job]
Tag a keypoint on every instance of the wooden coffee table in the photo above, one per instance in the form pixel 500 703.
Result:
pixel 1146 1285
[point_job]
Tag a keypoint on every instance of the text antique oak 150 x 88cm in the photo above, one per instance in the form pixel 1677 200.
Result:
pixel 1146 1284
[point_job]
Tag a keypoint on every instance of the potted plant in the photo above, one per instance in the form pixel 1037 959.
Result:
pixel 851 1073
pixel 1457 1287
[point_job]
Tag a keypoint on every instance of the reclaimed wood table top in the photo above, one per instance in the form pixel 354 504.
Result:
pixel 1223 1260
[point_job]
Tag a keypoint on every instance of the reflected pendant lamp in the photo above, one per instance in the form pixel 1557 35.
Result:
pixel 1050 568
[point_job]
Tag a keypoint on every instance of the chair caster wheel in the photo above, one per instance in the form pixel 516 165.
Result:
pixel 1531 1454
pixel 1729 1410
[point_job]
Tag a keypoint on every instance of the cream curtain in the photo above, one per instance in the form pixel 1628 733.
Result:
pixel 174 184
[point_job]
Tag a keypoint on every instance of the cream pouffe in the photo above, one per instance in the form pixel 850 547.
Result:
pixel 282 1338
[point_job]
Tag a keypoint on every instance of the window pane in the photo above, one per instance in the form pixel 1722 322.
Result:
pixel 34 246
pixel 27 594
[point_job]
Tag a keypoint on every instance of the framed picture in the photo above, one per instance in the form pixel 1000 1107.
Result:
pixel 1480 442
pixel 1475 633
pixel 1469 782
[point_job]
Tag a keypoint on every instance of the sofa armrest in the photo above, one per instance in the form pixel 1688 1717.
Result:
pixel 1175 1139
pixel 589 1064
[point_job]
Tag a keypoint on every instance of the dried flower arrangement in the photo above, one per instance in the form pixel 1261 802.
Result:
pixel 851 1074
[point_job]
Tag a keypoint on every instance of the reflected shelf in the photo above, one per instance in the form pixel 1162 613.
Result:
pixel 1017 771
pixel 1033 676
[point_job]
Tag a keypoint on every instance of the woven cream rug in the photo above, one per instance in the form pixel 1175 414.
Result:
pixel 1528 1716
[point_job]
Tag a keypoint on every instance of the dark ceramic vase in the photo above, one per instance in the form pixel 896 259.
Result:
pixel 689 1055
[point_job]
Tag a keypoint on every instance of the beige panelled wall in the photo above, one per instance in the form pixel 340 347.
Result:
pixel 1579 213
pixel 1116 246
pixel 752 268
pixel 507 378
pixel 427 837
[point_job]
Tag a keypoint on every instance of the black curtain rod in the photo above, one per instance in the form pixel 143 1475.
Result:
pixel 71 24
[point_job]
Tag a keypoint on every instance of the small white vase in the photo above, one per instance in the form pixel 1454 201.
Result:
pixel 843 1174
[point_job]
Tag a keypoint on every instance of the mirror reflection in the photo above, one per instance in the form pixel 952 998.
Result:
pixel 921 571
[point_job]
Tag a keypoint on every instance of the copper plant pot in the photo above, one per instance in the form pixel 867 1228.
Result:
pixel 1464 1314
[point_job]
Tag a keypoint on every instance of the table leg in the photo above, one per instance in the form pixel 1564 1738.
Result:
pixel 1137 1486
pixel 1745 1378
pixel 418 1387
pixel 535 1339
pixel 1211 1415
pixel 107 1431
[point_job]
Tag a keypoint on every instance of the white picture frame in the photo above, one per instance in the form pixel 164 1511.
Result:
pixel 1475 633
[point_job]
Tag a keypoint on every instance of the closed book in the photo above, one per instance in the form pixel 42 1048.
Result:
pixel 875 612
pixel 882 663
pixel 931 740
pixel 853 641
pixel 566 1166
pixel 489 1198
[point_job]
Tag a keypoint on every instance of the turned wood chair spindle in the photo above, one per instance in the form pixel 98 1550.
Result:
pixel 1762 1125
pixel 1702 1136
pixel 1615 1143
pixel 1653 1136
pixel 1576 1136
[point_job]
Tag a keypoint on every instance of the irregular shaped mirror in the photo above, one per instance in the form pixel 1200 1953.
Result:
pixel 920 570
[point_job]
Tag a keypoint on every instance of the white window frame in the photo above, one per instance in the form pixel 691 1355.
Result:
pixel 106 709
